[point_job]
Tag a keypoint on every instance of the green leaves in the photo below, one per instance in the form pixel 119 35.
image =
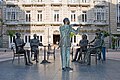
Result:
pixel 11 33
pixel 72 34
pixel 105 33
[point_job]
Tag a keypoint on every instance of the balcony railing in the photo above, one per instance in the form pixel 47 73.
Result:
pixel 100 22
pixel 56 2
pixel 11 22
pixel 73 2
pixel 12 2
pixel 32 2
pixel 99 3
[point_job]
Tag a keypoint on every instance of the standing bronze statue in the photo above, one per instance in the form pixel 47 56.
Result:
pixel 65 43
pixel 19 43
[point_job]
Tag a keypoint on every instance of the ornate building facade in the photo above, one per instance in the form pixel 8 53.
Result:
pixel 44 17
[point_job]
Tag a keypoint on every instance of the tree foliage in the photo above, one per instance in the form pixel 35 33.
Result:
pixel 11 33
pixel 105 33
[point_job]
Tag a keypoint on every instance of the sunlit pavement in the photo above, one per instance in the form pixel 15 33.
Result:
pixel 108 70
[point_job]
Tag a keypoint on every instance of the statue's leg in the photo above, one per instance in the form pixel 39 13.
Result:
pixel 76 54
pixel 99 54
pixel 28 55
pixel 68 59
pixel 87 56
pixel 37 55
pixel 67 56
pixel 25 57
pixel 63 58
pixel 80 54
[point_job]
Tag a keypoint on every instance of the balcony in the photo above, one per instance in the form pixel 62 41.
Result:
pixel 84 3
pixel 11 22
pixel 100 3
pixel 100 22
pixel 85 23
pixel 11 2
pixel 56 2
pixel 33 2
pixel 73 3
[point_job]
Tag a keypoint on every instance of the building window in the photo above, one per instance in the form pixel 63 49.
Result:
pixel 40 38
pixel 71 39
pixel 28 16
pixel 118 13
pixel 56 15
pixel 28 38
pixel 85 1
pixel 72 1
pixel 12 16
pixel 84 16
pixel 12 39
pixel 40 0
pixel 39 16
pixel 8 15
pixel 100 14
pixel 74 39
pixel 73 16
pixel 25 39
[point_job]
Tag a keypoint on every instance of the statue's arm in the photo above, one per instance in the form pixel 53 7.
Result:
pixel 75 31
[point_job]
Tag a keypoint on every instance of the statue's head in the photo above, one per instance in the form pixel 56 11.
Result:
pixel 98 31
pixel 35 35
pixel 84 36
pixel 66 21
pixel 18 34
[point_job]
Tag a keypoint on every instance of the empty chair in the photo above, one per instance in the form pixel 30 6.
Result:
pixel 50 51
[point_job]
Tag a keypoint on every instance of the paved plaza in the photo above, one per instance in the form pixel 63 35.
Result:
pixel 108 70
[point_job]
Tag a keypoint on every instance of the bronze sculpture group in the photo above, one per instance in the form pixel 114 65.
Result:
pixel 64 45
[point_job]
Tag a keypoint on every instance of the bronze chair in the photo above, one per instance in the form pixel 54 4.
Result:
pixel 82 55
pixel 16 55
pixel 93 53
pixel 51 51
